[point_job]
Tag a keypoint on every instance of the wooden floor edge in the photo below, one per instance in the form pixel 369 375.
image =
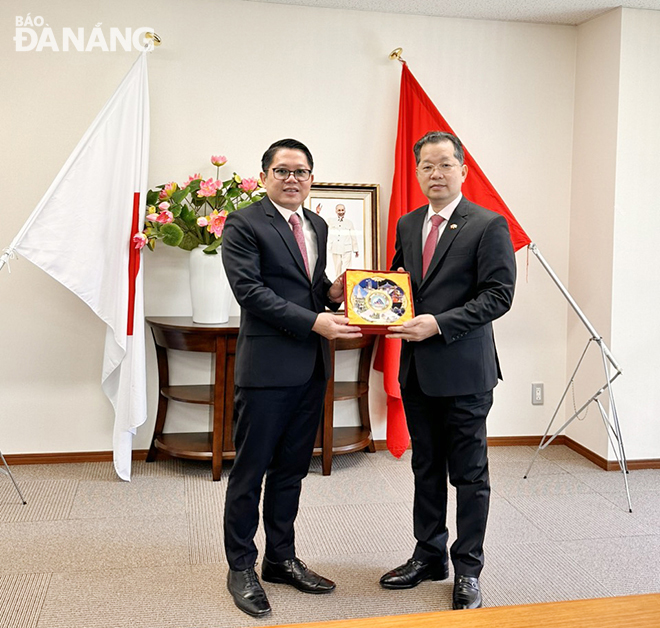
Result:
pixel 381 445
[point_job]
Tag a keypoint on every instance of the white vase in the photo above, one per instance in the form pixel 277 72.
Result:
pixel 209 288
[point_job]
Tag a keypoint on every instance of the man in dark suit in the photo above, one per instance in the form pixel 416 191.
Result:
pixel 462 267
pixel 274 253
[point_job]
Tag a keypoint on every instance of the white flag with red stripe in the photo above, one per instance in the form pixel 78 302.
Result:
pixel 80 234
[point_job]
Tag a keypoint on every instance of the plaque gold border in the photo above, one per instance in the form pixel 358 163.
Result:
pixel 352 277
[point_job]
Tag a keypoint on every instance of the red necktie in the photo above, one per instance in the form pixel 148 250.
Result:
pixel 300 238
pixel 431 242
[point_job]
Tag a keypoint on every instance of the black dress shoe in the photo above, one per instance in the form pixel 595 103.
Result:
pixel 294 572
pixel 247 592
pixel 466 593
pixel 412 573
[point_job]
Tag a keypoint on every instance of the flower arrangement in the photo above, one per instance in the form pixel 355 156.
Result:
pixel 195 212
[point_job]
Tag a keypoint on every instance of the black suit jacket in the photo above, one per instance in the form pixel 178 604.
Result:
pixel 469 283
pixel 279 303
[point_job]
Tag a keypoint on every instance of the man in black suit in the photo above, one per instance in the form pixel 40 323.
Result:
pixel 462 267
pixel 274 252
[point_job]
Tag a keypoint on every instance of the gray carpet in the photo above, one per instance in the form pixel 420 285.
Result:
pixel 90 551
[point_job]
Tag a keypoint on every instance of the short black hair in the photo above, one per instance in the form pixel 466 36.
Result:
pixel 269 155
pixel 435 137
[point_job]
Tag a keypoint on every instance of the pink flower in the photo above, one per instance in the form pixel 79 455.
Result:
pixel 218 160
pixel 248 185
pixel 164 205
pixel 139 239
pixel 202 221
pixel 165 217
pixel 217 222
pixel 168 190
pixel 192 178
pixel 152 217
pixel 209 188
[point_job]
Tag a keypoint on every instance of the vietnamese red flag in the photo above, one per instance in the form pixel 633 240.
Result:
pixel 417 116
pixel 81 232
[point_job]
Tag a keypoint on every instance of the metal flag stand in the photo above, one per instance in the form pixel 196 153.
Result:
pixel 8 472
pixel 611 422
pixel 4 259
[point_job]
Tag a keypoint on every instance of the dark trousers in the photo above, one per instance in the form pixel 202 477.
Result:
pixel 448 437
pixel 275 433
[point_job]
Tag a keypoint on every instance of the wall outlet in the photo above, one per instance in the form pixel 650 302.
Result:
pixel 537 394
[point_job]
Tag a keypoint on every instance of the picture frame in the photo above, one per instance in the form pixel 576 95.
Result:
pixel 375 300
pixel 352 240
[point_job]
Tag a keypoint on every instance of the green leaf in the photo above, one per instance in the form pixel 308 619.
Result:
pixel 188 216
pixel 176 210
pixel 179 195
pixel 152 197
pixel 212 248
pixel 189 242
pixel 172 234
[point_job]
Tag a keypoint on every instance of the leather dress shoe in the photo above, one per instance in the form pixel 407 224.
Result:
pixel 247 592
pixel 412 573
pixel 466 593
pixel 294 572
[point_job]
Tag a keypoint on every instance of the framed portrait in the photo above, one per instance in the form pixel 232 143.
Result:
pixel 351 211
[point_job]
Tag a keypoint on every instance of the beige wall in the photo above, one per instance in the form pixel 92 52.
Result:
pixel 592 223
pixel 635 292
pixel 614 221
pixel 230 78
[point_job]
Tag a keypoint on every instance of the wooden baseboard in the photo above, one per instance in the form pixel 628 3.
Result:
pixel 69 457
pixel 381 445
pixel 534 441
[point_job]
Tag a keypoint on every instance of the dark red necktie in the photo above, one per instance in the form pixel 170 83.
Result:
pixel 431 242
pixel 300 238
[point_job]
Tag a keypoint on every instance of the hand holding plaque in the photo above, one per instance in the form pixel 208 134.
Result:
pixel 376 300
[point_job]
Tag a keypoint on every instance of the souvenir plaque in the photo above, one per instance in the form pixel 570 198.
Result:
pixel 376 300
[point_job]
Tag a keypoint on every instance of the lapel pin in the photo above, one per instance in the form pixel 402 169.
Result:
pixel 453 226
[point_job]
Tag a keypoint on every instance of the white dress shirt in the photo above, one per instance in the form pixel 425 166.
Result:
pixel 308 232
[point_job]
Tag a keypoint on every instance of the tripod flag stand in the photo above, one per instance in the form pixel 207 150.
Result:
pixel 611 422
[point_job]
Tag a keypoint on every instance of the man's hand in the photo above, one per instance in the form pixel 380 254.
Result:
pixel 419 328
pixel 331 327
pixel 336 291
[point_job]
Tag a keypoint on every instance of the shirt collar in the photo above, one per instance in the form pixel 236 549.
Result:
pixel 286 213
pixel 446 211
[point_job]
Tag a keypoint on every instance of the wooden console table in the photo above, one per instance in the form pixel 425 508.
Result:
pixel 179 332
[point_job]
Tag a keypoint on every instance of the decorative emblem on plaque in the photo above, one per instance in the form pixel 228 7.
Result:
pixel 376 300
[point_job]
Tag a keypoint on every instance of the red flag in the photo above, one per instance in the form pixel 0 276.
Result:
pixel 418 116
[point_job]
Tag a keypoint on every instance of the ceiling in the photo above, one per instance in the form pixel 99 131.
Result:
pixel 542 11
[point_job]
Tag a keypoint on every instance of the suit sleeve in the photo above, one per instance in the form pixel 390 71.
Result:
pixel 397 260
pixel 495 283
pixel 241 257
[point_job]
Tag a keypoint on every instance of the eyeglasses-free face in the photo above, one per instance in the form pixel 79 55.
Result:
pixel 289 179
pixel 439 174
